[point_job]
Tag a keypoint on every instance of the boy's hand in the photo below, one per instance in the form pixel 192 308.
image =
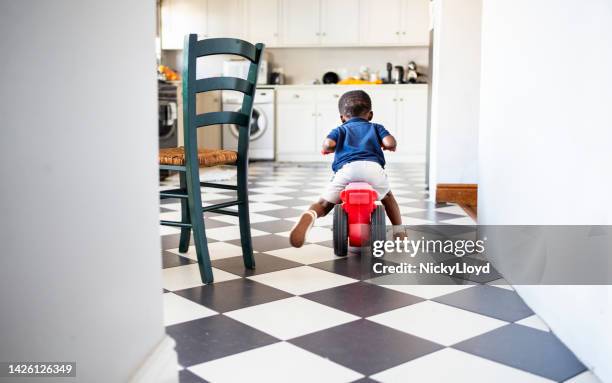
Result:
pixel 329 146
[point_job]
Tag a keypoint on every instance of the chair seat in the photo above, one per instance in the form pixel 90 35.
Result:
pixel 206 157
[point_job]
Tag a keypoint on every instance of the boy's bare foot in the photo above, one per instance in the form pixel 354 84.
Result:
pixel 298 233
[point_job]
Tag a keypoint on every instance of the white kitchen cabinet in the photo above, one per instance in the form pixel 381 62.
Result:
pixel 340 22
pixel 295 125
pixel 262 21
pixel 412 122
pixel 301 24
pixel 415 22
pixel 224 18
pixel 306 115
pixel 381 20
pixel 179 18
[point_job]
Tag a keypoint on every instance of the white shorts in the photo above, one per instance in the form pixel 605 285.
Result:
pixel 358 171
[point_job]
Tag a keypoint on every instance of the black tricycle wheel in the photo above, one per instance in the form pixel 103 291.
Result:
pixel 378 229
pixel 340 228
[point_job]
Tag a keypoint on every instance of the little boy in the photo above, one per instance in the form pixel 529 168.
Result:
pixel 358 157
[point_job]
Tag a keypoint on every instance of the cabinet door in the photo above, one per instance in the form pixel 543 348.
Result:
pixel 415 20
pixel 300 22
pixel 412 118
pixel 179 18
pixel 339 22
pixel 381 22
pixel 262 21
pixel 328 118
pixel 384 107
pixel 296 132
pixel 224 19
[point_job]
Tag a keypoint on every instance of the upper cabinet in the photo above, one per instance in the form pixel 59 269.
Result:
pixel 339 22
pixel 382 22
pixel 298 23
pixel 224 18
pixel 262 21
pixel 301 24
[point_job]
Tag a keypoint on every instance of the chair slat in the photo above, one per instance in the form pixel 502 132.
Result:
pixel 226 46
pixel 224 83
pixel 216 118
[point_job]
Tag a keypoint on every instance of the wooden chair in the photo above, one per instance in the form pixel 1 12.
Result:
pixel 188 159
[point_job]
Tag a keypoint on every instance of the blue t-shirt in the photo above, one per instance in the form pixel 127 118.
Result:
pixel 358 140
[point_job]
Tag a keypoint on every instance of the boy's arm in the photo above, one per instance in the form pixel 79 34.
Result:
pixel 387 140
pixel 389 143
pixel 329 146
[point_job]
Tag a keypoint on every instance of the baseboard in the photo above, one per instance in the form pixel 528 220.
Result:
pixel 161 365
pixel 462 194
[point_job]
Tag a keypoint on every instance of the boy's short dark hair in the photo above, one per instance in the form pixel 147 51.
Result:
pixel 354 103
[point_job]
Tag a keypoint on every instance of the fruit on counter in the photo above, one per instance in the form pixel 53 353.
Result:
pixel 356 81
pixel 168 73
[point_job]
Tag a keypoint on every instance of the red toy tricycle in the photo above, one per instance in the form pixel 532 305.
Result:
pixel 358 221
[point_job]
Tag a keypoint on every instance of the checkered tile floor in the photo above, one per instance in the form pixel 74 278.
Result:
pixel 305 315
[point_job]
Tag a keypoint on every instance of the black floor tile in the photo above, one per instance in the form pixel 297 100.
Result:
pixel 279 226
pixel 353 266
pixel 205 339
pixel 535 351
pixel 265 243
pixel 283 213
pixel 365 346
pixel 172 260
pixel 293 201
pixel 490 301
pixel 362 299
pixel 232 295
pixel 171 241
pixel 186 376
pixel 264 263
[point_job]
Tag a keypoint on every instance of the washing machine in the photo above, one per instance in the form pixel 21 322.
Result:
pixel 261 146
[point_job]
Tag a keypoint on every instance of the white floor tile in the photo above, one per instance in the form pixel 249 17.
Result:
pixel 439 323
pixel 585 377
pixel 267 197
pixel 217 250
pixel 253 218
pixel 450 365
pixel 302 280
pixel 271 190
pixel 427 291
pixel 453 209
pixel 416 221
pixel 307 254
pixel 262 365
pixel 315 234
pixel 166 230
pixel 178 309
pixel 409 209
pixel 184 277
pixel 291 317
pixel 534 322
pixel 230 232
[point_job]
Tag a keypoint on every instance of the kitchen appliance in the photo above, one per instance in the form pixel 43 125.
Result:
pixel 331 78
pixel 398 74
pixel 240 69
pixel 389 73
pixel 168 115
pixel 261 146
pixel 277 77
pixel 167 118
pixel 411 73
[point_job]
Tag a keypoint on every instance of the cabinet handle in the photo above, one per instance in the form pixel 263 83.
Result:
pixel 324 34
pixel 314 115
pixel 403 33
pixel 275 34
pixel 397 33
pixel 318 34
pixel 402 99
pixel 336 95
pixel 296 96
pixel 395 99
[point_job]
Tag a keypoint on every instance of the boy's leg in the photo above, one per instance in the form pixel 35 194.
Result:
pixel 393 212
pixel 316 210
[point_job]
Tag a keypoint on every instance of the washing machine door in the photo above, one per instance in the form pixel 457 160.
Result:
pixel 259 124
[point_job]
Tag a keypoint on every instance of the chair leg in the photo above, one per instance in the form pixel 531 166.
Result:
pixel 197 222
pixel 243 216
pixel 185 218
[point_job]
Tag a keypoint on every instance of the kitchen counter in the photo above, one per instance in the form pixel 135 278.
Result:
pixel 336 86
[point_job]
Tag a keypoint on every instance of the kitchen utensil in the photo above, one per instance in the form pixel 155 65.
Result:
pixel 330 78
pixel 398 74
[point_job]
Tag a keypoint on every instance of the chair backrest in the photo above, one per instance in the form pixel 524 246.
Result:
pixel 191 86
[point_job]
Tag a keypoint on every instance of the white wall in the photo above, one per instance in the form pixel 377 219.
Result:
pixel 455 92
pixel 545 139
pixel 80 273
